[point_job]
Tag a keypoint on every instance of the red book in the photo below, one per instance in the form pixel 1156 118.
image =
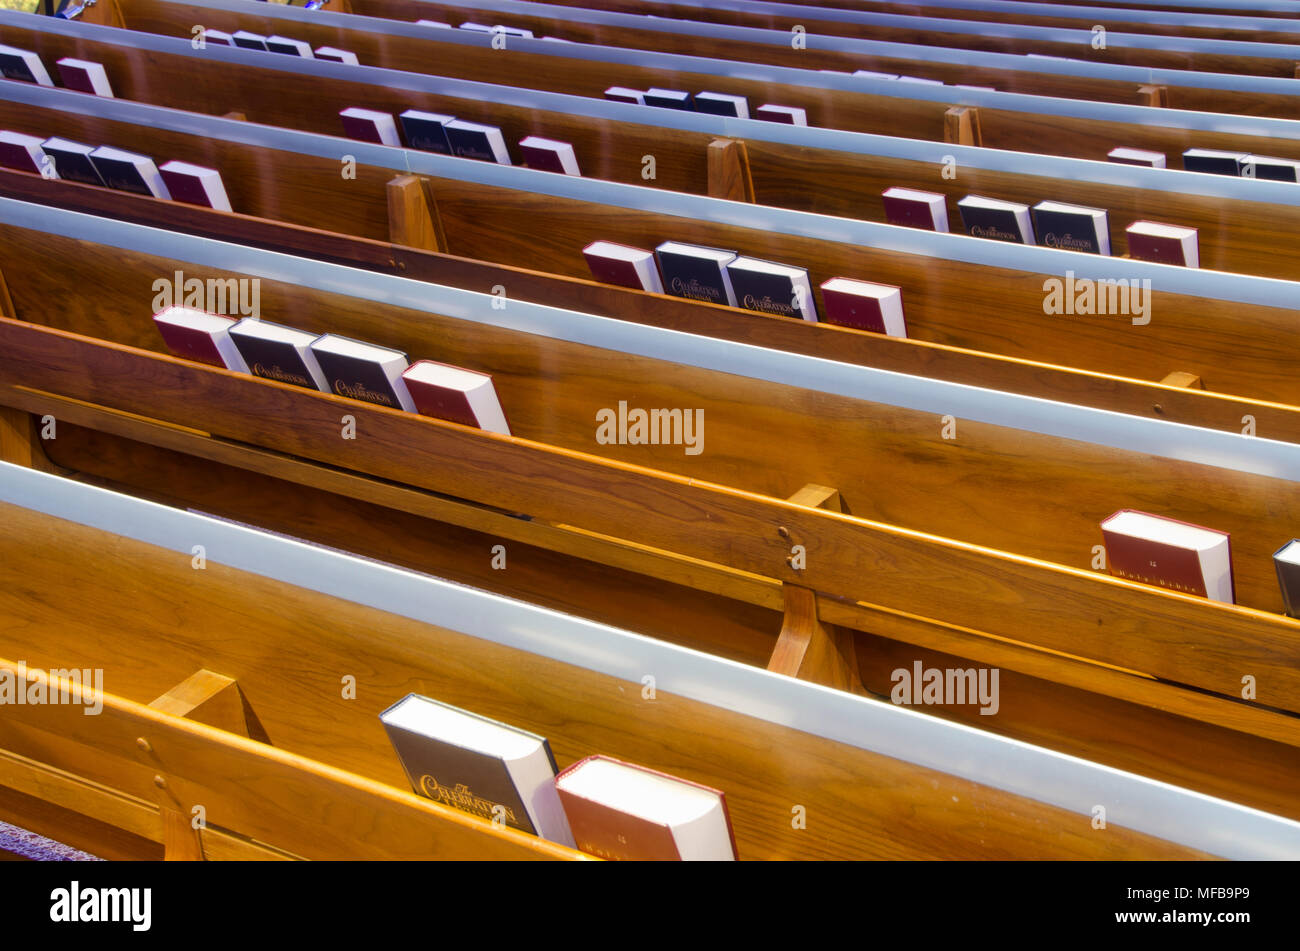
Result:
pixel 618 810
pixel 1163 244
pixel 549 155
pixel 85 76
pixel 22 152
pixel 368 125
pixel 916 209
pixel 612 263
pixel 788 115
pixel 195 185
pixel 198 335
pixel 865 306
pixel 1170 554
pixel 456 395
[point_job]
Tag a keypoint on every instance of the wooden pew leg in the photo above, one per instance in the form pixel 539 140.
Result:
pixel 1183 379
pixel 807 648
pixel 729 175
pixel 21 443
pixel 413 215
pixel 181 841
pixel 961 126
pixel 1157 96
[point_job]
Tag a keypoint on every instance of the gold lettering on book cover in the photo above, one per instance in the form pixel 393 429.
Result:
pixel 284 376
pixel 767 305
pixel 460 797
pixel 1067 242
pixel 993 232
pixel 695 290
pixel 358 391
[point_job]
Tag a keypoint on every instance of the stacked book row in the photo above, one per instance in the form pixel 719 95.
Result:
pixel 1192 559
pixel 79 74
pixel 1214 162
pixel 330 363
pixel 447 135
pixel 278 44
pixel 718 276
pixel 1052 223
pixel 601 805
pixel 108 167
pixel 712 103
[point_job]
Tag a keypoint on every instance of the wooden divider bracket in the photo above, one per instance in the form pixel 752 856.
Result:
pixel 1151 95
pixel 729 175
pixel 961 126
pixel 413 216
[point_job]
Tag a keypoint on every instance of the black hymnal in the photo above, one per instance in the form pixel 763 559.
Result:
pixel 23 65
pixel 1072 227
pixel 995 219
pixel 696 272
pixel 72 161
pixel 669 99
pixel 275 352
pixel 249 41
pixel 1213 161
pixel 283 44
pixel 772 288
pixel 129 172
pixel 1270 169
pixel 481 766
pixel 363 371
pixel 721 104
pixel 426 131
pixel 1287 562
pixel 476 141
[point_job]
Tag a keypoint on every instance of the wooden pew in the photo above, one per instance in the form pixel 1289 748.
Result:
pixel 1026 619
pixel 845 180
pixel 401 44
pixel 940 306
pixel 317 774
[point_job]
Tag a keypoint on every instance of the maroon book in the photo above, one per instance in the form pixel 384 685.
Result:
pixel 910 208
pixel 1163 244
pixel 195 185
pixel 788 115
pixel 549 155
pixel 619 264
pixel 84 76
pixel 626 812
pixel 368 125
pixel 865 306
pixel 1167 553
pixel 456 395
pixel 197 335
pixel 22 152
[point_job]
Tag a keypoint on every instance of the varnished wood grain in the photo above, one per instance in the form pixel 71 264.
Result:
pixel 858 804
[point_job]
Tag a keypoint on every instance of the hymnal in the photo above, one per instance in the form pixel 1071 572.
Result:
pixel 476 27
pixel 789 115
pixel 480 766
pixel 668 98
pixel 1142 157
pixel 197 335
pixel 220 37
pixel 1163 244
pixel 426 131
pixel 513 31
pixel 364 371
pixel 1170 554
pixel 248 41
pixel 436 24
pixel 1271 169
pixel 872 74
pixel 22 152
pixel 1213 162
pixel 85 76
pixel 456 395
pixel 275 352
pixel 618 810
pixel 911 208
pixel 368 125
pixel 865 306
pixel 920 80
pixel 23 65
pixel 129 172
pixel 1072 227
pixel 627 267
pixel 72 160
pixel 696 272
pixel 623 94
pixel 549 155
pixel 195 185
pixel 721 104
pixel 282 44
pixel 476 141
pixel 998 220
pixel 1287 562
pixel 772 288
pixel 336 55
